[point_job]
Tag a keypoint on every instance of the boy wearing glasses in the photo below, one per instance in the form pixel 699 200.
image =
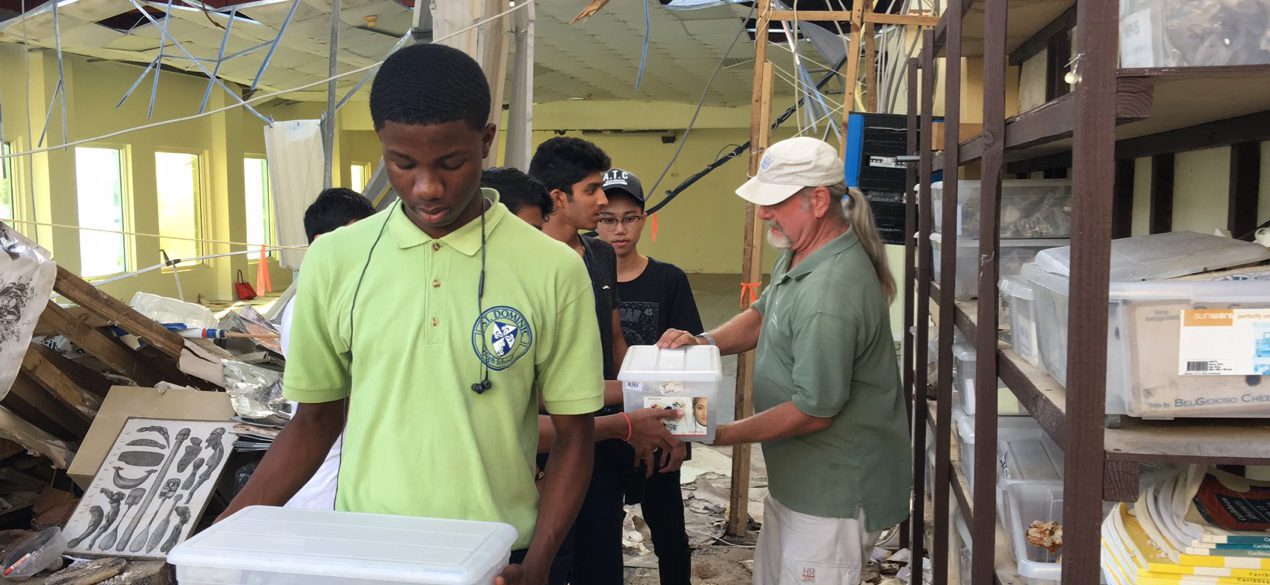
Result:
pixel 654 296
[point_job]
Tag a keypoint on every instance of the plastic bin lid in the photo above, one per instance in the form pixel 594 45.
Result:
pixel 649 363
pixel 396 549
pixel 1007 426
pixel 1162 256
pixel 937 239
pixel 1031 458
pixel 1016 287
pixel 1008 183
pixel 1231 291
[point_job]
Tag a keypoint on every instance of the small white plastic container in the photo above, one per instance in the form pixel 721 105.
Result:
pixel 963 393
pixel 1143 339
pixel 1030 208
pixel 280 546
pixel 686 379
pixel 1008 428
pixel 1016 293
pixel 961 539
pixel 1013 253
pixel 1029 502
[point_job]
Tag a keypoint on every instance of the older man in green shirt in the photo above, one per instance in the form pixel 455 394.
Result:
pixel 830 411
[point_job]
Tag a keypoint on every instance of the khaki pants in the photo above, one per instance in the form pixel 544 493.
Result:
pixel 801 549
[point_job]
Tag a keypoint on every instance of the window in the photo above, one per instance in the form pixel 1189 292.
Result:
pixel 99 192
pixel 178 180
pixel 259 204
pixel 7 187
pixel 358 174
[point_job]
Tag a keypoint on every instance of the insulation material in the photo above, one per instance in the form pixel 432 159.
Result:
pixel 27 273
pixel 294 150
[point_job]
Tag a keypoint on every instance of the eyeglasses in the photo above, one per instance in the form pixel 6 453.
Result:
pixel 611 222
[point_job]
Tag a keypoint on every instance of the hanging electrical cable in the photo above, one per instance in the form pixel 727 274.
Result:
pixel 700 102
pixel 738 151
pixel 643 56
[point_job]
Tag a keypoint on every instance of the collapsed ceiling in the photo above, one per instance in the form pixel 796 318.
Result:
pixel 593 60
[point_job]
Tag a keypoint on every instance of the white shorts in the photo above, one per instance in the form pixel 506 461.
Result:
pixel 801 549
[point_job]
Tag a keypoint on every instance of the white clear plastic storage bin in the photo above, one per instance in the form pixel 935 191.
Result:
pixel 1030 208
pixel 1008 428
pixel 1016 293
pixel 963 393
pixel 1143 346
pixel 963 555
pixel 281 546
pixel 686 379
pixel 1013 254
pixel 1193 33
pixel 1028 502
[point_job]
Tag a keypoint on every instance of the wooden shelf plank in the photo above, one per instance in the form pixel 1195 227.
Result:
pixel 1054 120
pixel 1197 99
pixel 1243 442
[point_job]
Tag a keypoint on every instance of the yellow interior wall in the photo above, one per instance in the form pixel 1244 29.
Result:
pixel 1201 185
pixel 1201 190
pixel 46 190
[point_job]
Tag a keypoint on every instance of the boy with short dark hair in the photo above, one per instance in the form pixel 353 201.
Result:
pixel 335 208
pixel 524 196
pixel 655 296
pixel 573 171
pixel 441 290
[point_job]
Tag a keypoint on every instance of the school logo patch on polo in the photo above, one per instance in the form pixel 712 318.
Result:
pixel 501 336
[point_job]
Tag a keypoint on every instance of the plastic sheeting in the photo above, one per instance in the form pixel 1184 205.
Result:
pixel 294 151
pixel 27 273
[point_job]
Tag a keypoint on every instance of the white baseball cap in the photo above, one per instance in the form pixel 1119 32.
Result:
pixel 790 166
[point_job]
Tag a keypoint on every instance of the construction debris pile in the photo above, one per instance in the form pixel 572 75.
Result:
pixel 120 398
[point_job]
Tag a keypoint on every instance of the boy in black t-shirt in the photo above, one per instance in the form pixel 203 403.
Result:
pixel 654 296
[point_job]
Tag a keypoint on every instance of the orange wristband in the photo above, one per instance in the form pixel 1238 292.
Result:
pixel 630 429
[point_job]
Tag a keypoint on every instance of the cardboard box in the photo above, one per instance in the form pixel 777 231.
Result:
pixel 124 402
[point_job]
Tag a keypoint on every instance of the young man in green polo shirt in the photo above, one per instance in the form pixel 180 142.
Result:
pixel 826 389
pixel 428 331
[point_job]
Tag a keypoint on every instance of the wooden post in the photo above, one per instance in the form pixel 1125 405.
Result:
pixel 984 523
pixel 751 269
pixel 1093 177
pixel 947 285
pixel 870 65
pixel 850 81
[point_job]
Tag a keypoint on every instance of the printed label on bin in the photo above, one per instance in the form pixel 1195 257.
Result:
pixel 695 420
pixel 633 386
pixel 672 387
pixel 1224 342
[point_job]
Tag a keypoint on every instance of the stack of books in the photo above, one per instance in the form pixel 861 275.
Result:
pixel 1204 526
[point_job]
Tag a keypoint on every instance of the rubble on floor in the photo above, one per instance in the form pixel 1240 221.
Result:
pixel 716 558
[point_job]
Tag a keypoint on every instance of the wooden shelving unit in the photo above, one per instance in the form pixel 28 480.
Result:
pixel 1111 117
